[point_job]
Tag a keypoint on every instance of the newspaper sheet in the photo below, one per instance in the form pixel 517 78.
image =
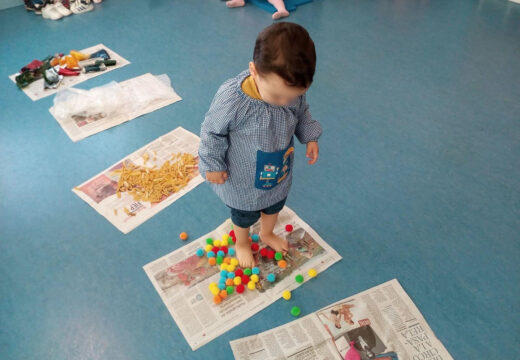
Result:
pixel 100 191
pixel 383 323
pixel 182 278
pixel 79 127
pixel 36 91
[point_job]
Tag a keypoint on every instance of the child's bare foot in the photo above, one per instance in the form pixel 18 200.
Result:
pixel 280 14
pixel 244 255
pixel 275 242
pixel 235 3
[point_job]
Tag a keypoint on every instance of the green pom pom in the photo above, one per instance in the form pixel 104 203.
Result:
pixel 299 278
pixel 278 256
pixel 295 311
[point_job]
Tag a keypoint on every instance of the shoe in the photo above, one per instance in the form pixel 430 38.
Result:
pixel 50 12
pixel 34 5
pixel 81 6
pixel 62 9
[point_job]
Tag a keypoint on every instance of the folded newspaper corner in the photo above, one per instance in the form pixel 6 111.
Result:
pixel 383 323
pixel 182 279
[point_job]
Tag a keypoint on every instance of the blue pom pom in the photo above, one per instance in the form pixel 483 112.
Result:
pixel 221 253
pixel 231 275
pixel 221 285
pixel 231 251
pixel 271 277
pixel 211 254
pixel 255 237
pixel 224 273
pixel 256 270
pixel 200 252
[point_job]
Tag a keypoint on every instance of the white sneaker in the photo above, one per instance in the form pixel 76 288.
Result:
pixel 62 9
pixel 50 12
pixel 81 6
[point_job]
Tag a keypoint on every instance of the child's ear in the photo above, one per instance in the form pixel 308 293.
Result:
pixel 252 69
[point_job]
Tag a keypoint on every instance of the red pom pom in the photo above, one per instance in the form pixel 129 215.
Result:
pixel 240 288
pixel 225 249
pixel 232 233
pixel 270 254
pixel 215 250
pixel 239 272
pixel 263 252
pixel 288 228
pixel 255 246
pixel 234 240
pixel 245 279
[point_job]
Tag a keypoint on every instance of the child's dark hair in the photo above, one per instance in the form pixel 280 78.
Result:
pixel 287 50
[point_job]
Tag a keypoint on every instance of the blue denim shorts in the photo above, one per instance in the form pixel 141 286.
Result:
pixel 245 219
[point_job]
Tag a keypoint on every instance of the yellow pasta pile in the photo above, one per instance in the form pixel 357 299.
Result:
pixel 153 184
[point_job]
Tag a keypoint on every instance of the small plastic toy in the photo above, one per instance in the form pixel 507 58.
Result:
pixel 288 228
pixel 312 272
pixel 299 278
pixel 296 311
pixel 183 236
pixel 210 254
pixel 237 280
pixel 240 288
pixel 352 353
pixel 212 261
pixel 251 285
pixel 282 264
pixel 263 252
pixel 255 238
pixel 271 277
pixel 270 254
pixel 247 271
pixel 255 270
pixel 254 278
pixel 200 252
pixel 209 241
pixel 286 295
pixel 217 299
pixel 278 256
pixel 208 247
pixel 255 246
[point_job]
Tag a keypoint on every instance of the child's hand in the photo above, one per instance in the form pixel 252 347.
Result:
pixel 312 151
pixel 216 177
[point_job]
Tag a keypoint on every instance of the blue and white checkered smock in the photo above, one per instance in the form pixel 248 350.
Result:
pixel 235 127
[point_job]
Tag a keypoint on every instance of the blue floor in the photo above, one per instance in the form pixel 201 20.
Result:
pixel 418 179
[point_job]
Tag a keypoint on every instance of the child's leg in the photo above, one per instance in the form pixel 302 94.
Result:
pixel 242 221
pixel 235 3
pixel 267 222
pixel 280 7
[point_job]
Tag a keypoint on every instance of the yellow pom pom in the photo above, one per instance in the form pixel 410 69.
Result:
pixel 225 237
pixel 223 267
pixel 312 273
pixel 237 280
pixel 208 247
pixel 286 295
pixel 251 285
pixel 214 288
pixel 231 268
pixel 234 262
pixel 216 243
pixel 255 278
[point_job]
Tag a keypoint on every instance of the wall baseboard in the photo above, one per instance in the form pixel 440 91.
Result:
pixel 6 4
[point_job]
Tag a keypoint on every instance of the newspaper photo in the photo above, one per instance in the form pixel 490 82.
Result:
pixel 36 89
pixel 121 208
pixel 182 279
pixel 83 113
pixel 381 323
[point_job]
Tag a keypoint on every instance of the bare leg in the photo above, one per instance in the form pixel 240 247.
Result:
pixel 281 11
pixel 268 237
pixel 235 3
pixel 243 247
